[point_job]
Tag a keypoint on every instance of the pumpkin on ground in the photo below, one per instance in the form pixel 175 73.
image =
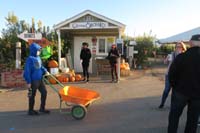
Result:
pixel 122 66
pixel 72 79
pixel 60 78
pixel 52 81
pixel 65 79
pixel 52 64
pixel 78 77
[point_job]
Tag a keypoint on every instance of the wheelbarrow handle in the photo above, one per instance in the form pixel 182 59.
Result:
pixel 50 75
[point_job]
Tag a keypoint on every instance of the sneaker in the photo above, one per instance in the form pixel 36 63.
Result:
pixel 44 111
pixel 161 106
pixel 33 112
pixel 87 80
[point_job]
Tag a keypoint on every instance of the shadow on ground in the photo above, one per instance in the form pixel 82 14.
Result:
pixel 139 115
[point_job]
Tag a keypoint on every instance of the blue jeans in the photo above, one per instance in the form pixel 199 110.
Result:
pixel 178 102
pixel 166 90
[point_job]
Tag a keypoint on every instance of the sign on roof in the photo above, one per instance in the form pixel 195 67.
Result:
pixel 88 25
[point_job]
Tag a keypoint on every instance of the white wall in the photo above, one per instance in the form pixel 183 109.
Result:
pixel 77 49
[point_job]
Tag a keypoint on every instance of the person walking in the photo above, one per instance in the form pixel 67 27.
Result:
pixel 33 74
pixel 179 48
pixel 184 78
pixel 85 57
pixel 113 55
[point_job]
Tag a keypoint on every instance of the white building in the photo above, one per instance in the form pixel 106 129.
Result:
pixel 99 31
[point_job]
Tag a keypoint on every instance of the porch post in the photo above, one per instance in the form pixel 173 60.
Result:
pixel 119 59
pixel 59 48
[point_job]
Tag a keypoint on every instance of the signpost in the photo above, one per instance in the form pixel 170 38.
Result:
pixel 18 55
pixel 30 36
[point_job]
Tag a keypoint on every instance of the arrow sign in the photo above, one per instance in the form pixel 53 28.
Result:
pixel 29 36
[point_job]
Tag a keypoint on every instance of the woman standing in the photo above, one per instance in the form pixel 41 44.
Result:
pixel 179 48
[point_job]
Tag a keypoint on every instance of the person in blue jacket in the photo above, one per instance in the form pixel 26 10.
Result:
pixel 33 73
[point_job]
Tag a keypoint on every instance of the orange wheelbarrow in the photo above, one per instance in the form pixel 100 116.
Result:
pixel 78 98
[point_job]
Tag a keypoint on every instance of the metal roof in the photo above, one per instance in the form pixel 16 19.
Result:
pixel 185 36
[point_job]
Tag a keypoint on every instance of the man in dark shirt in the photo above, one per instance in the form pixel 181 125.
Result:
pixel 184 77
pixel 85 56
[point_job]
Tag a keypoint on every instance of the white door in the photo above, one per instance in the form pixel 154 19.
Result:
pixel 77 49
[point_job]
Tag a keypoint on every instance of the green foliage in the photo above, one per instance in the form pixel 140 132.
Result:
pixel 167 48
pixel 144 47
pixel 9 38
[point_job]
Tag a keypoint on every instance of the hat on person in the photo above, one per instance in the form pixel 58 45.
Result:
pixel 195 37
pixel 113 46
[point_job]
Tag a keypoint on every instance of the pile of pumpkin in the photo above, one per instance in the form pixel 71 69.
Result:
pixel 124 66
pixel 66 77
pixel 63 77
pixel 124 69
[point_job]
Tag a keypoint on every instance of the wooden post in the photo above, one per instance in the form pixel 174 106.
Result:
pixel 59 48
pixel 18 55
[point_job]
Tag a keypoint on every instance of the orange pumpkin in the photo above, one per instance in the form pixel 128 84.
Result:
pixel 65 79
pixel 122 66
pixel 60 78
pixel 52 64
pixel 52 81
pixel 72 79
pixel 127 66
pixel 77 77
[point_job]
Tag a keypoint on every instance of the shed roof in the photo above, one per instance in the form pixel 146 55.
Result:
pixel 86 12
pixel 184 36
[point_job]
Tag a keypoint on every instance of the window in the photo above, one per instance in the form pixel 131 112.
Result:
pixel 88 18
pixel 102 45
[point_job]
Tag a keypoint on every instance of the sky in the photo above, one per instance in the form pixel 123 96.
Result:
pixel 160 18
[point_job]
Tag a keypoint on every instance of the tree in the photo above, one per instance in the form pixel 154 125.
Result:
pixel 39 26
pixel 33 25
pixel 144 47
pixel 9 37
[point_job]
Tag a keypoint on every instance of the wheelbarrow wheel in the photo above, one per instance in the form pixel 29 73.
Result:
pixel 78 112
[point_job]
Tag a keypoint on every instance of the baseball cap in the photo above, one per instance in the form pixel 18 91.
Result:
pixel 195 37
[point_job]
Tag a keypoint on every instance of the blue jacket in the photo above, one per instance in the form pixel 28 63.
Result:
pixel 33 68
